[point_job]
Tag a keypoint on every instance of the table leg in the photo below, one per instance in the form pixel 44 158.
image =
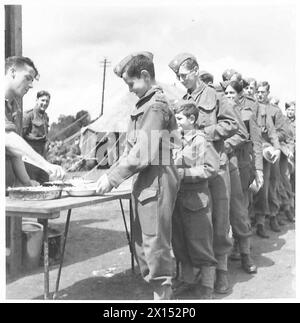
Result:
pixel 46 258
pixel 125 224
pixel 15 258
pixel 131 235
pixel 62 254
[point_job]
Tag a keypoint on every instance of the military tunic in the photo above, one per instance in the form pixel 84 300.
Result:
pixel 275 176
pixel 10 176
pixel 192 237
pixel 285 191
pixel 236 146
pixel 35 125
pixel 292 123
pixel 155 183
pixel 218 120
pixel 269 138
pixel 250 155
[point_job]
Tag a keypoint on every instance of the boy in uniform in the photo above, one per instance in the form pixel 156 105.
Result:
pixel 270 139
pixel 218 121
pixel 156 179
pixel 192 238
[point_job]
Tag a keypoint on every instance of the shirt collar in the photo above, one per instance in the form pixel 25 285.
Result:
pixel 190 135
pixel 37 113
pixel 198 91
pixel 148 95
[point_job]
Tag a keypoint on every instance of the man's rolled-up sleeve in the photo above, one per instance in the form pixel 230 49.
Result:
pixel 10 126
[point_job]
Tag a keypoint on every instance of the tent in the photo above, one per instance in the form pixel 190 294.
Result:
pixel 102 141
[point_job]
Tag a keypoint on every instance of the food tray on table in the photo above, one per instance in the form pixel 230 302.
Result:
pixel 34 193
pixel 82 190
pixel 61 184
pixel 81 187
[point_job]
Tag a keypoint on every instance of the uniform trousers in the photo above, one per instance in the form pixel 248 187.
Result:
pixel 274 198
pixel 219 187
pixel 192 234
pixel 261 199
pixel 285 190
pixel 152 230
pixel 239 219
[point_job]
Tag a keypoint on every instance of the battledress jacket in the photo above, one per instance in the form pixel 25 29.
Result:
pixel 150 124
pixel 268 130
pixel 250 114
pixel 281 127
pixel 216 116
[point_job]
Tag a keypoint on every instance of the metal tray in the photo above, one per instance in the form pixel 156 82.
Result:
pixel 34 193
pixel 80 191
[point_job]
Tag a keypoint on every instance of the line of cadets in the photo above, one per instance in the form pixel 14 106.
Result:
pixel 232 167
pixel 257 187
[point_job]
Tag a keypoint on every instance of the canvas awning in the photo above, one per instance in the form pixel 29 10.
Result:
pixel 118 109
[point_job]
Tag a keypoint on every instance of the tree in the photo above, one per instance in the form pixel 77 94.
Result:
pixel 62 129
pixel 68 125
pixel 83 118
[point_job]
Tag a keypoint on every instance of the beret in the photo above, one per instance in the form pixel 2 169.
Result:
pixel 274 100
pixel 288 104
pixel 227 74
pixel 119 68
pixel 206 76
pixel 250 80
pixel 224 84
pixel 179 59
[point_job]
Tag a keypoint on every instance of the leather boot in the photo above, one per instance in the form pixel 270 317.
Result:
pixel 280 221
pixel 182 288
pixel 260 231
pixel 290 216
pixel 222 283
pixel 248 264
pixel 206 292
pixel 274 224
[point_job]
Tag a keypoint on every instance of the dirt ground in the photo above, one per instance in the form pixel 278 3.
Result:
pixel 97 263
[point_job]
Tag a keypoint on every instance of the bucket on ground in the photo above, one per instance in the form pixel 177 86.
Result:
pixel 54 245
pixel 32 236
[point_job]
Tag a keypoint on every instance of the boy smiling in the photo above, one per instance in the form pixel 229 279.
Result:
pixel 156 181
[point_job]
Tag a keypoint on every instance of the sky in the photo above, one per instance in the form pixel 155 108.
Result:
pixel 67 42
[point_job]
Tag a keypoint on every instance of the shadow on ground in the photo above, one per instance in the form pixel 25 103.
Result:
pixel 94 241
pixel 100 241
pixel 260 247
pixel 122 286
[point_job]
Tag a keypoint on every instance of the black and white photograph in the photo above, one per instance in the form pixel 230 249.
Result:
pixel 150 152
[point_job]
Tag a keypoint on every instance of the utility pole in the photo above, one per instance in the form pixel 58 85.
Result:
pixel 104 63
pixel 13 30
pixel 13 47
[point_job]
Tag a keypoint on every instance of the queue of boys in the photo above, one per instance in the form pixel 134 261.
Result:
pixel 209 171
pixel 231 171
